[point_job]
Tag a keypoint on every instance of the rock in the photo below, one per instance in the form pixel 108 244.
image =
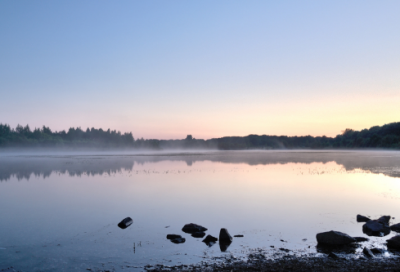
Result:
pixel 238 235
pixel 284 249
pixel 224 236
pixel 395 227
pixel 198 234
pixel 178 240
pixel 361 239
pixel 362 218
pixel 173 236
pixel 334 238
pixel 191 228
pixel 125 223
pixel 394 242
pixel 384 219
pixel 376 228
pixel 377 250
pixel 210 238
pixel 367 252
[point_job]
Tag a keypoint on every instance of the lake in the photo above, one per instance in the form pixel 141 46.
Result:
pixel 59 212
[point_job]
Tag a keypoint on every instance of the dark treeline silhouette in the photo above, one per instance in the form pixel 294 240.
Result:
pixel 386 136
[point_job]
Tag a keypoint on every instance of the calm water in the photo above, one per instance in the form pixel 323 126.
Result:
pixel 60 212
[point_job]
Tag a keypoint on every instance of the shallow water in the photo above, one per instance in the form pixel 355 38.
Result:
pixel 60 212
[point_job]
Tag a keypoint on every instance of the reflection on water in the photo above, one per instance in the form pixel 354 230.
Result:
pixel 22 167
pixel 62 212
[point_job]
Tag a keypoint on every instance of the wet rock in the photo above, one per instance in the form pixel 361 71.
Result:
pixel 377 228
pixel 384 219
pixel 210 238
pixel 377 250
pixel 334 238
pixel 394 242
pixel 125 223
pixel 173 236
pixel 224 236
pixel 238 235
pixel 362 218
pixel 198 234
pixel 191 228
pixel 361 239
pixel 284 249
pixel 367 252
pixel 395 227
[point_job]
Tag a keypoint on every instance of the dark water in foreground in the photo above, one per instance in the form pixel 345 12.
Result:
pixel 60 212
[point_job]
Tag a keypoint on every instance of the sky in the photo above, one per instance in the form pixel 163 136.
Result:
pixel 165 69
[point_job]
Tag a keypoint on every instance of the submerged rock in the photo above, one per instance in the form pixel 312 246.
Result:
pixel 377 228
pixel 367 252
pixel 198 234
pixel 394 242
pixel 362 218
pixel 191 228
pixel 361 239
pixel 125 223
pixel 395 227
pixel 334 238
pixel 224 236
pixel 238 235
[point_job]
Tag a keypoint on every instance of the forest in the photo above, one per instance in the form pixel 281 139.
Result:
pixel 386 136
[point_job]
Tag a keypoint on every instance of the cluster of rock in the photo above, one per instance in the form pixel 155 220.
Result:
pixel 197 231
pixel 379 227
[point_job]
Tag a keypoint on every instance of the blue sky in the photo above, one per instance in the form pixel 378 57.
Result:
pixel 164 69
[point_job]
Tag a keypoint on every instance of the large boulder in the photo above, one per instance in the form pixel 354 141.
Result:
pixel 394 242
pixel 191 228
pixel 334 238
pixel 377 228
pixel 224 236
pixel 362 218
pixel 125 223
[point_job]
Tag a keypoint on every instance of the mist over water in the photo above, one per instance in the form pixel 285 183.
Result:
pixel 60 211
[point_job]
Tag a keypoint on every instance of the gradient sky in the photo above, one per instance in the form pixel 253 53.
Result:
pixel 165 69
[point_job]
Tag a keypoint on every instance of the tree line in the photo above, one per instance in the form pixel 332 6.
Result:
pixel 386 136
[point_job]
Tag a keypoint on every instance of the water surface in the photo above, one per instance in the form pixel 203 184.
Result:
pixel 59 212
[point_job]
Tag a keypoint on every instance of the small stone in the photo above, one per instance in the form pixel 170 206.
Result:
pixel 238 235
pixel 191 228
pixel 125 223
pixel 377 250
